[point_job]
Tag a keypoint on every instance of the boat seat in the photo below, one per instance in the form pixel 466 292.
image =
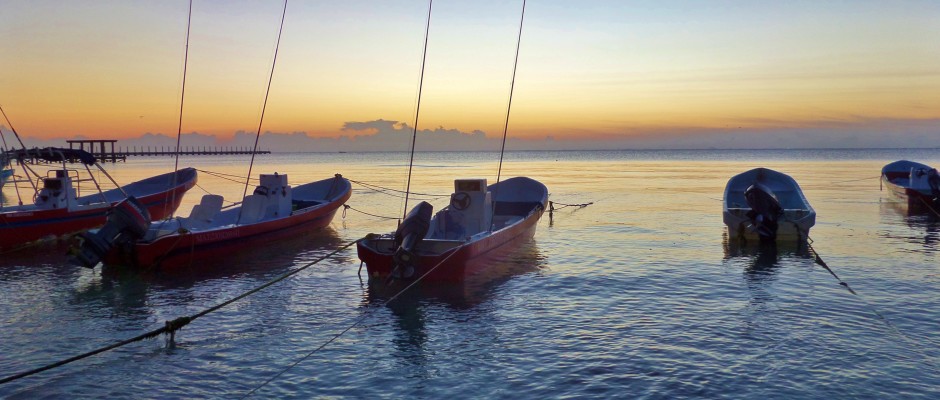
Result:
pixel 252 209
pixel 204 212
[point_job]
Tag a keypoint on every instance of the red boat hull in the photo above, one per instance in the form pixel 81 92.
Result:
pixel 18 228
pixel 461 263
pixel 178 251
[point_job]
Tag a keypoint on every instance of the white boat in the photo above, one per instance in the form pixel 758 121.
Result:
pixel 915 186
pixel 766 205
pixel 481 225
pixel 68 201
pixel 274 211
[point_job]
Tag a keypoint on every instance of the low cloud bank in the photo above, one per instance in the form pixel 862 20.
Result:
pixel 385 135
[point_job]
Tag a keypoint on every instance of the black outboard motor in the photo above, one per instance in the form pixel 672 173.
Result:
pixel 407 237
pixel 128 220
pixel 765 211
pixel 933 179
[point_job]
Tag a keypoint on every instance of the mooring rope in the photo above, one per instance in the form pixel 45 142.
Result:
pixel 355 323
pixel 856 180
pixel 221 174
pixel 208 192
pixel 819 261
pixel 551 205
pixel 382 189
pixel 929 207
pixel 348 207
pixel 170 327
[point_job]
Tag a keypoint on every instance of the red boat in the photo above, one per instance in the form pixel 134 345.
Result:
pixel 481 225
pixel 915 186
pixel 59 209
pixel 275 210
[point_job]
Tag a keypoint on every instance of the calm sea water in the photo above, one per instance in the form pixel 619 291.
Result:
pixel 637 295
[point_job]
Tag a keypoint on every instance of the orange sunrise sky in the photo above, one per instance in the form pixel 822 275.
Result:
pixel 591 73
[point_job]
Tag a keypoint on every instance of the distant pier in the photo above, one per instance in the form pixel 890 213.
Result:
pixel 105 151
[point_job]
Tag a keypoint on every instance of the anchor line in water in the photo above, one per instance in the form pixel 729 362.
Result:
pixel 929 207
pixel 170 327
pixel 819 261
pixel 355 323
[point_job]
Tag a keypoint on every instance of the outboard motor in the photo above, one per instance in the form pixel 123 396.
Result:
pixel 765 211
pixel 933 179
pixel 407 237
pixel 128 220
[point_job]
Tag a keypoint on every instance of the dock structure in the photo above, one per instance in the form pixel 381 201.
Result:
pixel 100 149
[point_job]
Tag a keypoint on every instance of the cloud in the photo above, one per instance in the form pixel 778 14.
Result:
pixel 389 135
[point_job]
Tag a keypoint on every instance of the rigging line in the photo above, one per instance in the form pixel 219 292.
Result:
pixel 512 86
pixel 354 324
pixel 348 207
pixel 10 124
pixel 856 180
pixel 224 177
pixel 4 137
pixel 221 173
pixel 375 187
pixel 172 326
pixel 207 192
pixel 414 135
pixel 265 104
pixel 179 127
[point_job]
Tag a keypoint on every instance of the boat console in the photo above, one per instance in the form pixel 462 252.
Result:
pixel 277 195
pixel 57 191
pixel 470 211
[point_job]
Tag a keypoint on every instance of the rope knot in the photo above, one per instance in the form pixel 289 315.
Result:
pixel 177 324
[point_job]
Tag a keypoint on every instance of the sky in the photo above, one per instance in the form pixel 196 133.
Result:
pixel 591 74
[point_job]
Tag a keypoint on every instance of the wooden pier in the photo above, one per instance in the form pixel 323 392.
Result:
pixel 99 148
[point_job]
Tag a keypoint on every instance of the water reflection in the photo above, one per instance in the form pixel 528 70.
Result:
pixel 762 262
pixel 43 255
pixel 130 293
pixel 419 306
pixel 763 259
pixel 912 228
